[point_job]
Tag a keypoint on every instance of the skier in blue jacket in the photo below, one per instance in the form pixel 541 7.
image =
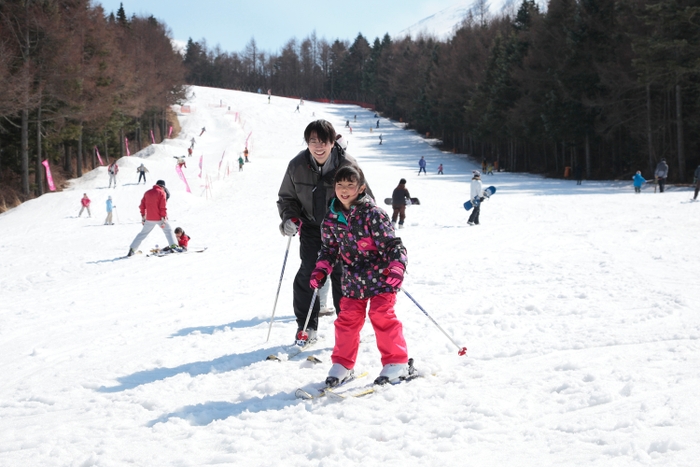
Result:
pixel 422 164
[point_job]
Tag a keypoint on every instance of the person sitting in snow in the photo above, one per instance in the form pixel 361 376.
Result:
pixel 373 260
pixel 182 241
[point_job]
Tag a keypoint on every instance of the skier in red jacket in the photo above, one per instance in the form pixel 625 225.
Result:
pixel 154 212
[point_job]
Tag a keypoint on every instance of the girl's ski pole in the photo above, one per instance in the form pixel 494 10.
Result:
pixel 462 350
pixel 279 286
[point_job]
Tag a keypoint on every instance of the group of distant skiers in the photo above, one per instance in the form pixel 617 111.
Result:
pixel 660 176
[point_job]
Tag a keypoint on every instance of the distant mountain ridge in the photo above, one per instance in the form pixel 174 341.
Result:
pixel 443 23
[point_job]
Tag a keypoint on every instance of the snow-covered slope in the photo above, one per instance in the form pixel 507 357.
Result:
pixel 579 306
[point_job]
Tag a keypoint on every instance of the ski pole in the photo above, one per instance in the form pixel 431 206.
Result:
pixel 117 213
pixel 303 335
pixel 462 350
pixel 279 286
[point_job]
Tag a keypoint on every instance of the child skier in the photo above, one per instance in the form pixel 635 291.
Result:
pixel 85 204
pixel 638 181
pixel 182 241
pixel 358 233
pixel 110 207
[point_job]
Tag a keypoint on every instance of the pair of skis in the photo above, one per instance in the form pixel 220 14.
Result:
pixel 335 393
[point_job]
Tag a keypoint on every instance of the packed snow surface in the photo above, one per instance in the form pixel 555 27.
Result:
pixel 579 306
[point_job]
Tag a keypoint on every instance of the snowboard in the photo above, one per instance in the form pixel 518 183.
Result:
pixel 415 201
pixel 475 202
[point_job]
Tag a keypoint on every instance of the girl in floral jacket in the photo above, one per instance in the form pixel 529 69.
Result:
pixel 359 234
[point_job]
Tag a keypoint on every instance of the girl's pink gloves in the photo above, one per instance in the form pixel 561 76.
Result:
pixel 394 274
pixel 319 274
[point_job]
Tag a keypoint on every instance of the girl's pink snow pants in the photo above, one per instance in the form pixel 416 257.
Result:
pixel 387 328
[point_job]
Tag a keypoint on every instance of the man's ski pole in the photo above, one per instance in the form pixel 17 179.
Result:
pixel 117 213
pixel 303 335
pixel 279 286
pixel 462 350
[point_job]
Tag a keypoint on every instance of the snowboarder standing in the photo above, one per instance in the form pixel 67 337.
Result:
pixel 85 204
pixel 440 169
pixel 113 170
pixel 638 181
pixel 306 189
pixel 398 203
pixel 476 197
pixel 240 163
pixel 661 174
pixel 142 170
pixel 374 260
pixel 108 220
pixel 245 154
pixel 154 212
pixel 421 166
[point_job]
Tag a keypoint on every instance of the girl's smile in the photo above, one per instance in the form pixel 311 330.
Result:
pixel 347 192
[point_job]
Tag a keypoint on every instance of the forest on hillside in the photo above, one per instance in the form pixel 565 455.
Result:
pixel 606 86
pixel 75 81
pixel 610 86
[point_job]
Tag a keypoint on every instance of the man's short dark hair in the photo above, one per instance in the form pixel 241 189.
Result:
pixel 324 131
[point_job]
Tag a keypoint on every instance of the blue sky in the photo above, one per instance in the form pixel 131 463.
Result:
pixel 232 23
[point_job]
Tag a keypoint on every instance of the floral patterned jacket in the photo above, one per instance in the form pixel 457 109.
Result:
pixel 364 240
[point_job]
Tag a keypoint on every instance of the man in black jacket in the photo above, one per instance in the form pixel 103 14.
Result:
pixel 307 188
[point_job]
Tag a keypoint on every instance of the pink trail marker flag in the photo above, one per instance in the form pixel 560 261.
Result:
pixel 178 169
pixel 49 178
pixel 200 165
pixel 222 159
pixel 97 151
pixel 152 138
pixel 170 131
pixel 126 143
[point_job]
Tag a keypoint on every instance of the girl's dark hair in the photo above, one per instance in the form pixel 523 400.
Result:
pixel 179 230
pixel 349 173
pixel 324 131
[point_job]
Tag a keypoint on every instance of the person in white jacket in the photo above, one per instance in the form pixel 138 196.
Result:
pixel 476 194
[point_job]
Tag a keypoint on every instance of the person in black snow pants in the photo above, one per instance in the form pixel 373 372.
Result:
pixel 303 198
pixel 475 192
pixel 661 174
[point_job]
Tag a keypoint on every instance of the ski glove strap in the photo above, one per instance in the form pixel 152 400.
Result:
pixel 394 274
pixel 319 274
pixel 290 227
